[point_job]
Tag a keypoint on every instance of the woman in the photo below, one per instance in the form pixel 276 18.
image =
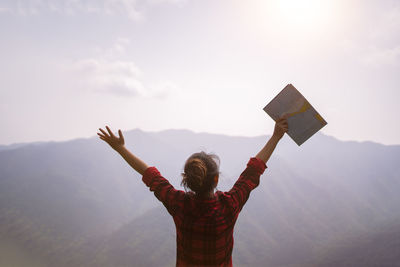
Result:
pixel 204 219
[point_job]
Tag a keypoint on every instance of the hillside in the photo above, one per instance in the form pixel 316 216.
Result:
pixel 78 203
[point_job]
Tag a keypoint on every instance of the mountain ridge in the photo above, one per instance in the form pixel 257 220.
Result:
pixel 175 130
pixel 77 203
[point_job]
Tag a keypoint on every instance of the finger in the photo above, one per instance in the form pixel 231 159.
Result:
pixel 101 135
pixel 120 134
pixel 283 125
pixel 103 132
pixel 111 133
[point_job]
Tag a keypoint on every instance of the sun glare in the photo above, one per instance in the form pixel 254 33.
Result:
pixel 304 14
pixel 294 16
pixel 298 11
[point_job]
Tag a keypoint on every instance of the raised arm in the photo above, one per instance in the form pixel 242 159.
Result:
pixel 281 126
pixel 250 177
pixel 118 144
pixel 163 190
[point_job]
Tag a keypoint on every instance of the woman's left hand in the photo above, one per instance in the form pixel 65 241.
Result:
pixel 281 127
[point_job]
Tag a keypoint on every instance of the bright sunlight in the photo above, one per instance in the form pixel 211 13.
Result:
pixel 294 17
pixel 302 12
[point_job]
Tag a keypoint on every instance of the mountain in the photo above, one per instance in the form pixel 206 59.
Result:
pixel 379 247
pixel 77 203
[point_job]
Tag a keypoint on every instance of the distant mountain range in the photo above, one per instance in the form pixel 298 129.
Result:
pixel 78 203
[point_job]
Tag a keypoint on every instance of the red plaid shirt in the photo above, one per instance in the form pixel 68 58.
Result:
pixel 204 226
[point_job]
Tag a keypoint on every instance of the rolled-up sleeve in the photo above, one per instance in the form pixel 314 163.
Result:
pixel 171 198
pixel 247 181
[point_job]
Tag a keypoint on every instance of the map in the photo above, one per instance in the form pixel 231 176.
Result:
pixel 303 120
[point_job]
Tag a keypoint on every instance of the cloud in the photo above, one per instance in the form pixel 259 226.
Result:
pixel 157 2
pixel 134 9
pixel 5 10
pixel 116 77
pixel 117 49
pixel 108 73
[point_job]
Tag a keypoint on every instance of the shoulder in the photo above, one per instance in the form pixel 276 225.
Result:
pixel 227 202
pixel 222 196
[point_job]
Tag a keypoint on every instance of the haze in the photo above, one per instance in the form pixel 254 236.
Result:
pixel 70 67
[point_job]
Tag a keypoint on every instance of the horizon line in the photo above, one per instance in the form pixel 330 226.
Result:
pixel 181 129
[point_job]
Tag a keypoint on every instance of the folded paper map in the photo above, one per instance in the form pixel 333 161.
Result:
pixel 303 119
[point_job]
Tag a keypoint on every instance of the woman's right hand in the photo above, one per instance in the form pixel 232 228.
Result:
pixel 115 142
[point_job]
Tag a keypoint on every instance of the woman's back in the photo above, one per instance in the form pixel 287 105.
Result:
pixel 204 225
pixel 204 231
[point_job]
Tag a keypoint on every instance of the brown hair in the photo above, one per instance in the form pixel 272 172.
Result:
pixel 199 172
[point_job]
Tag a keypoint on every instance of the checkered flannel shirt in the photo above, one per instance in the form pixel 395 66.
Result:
pixel 204 226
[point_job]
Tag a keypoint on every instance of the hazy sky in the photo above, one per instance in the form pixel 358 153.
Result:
pixel 69 67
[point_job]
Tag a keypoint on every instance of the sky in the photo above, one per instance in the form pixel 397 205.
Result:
pixel 69 67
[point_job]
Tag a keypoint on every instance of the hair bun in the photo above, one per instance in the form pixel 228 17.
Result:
pixel 195 172
pixel 199 172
